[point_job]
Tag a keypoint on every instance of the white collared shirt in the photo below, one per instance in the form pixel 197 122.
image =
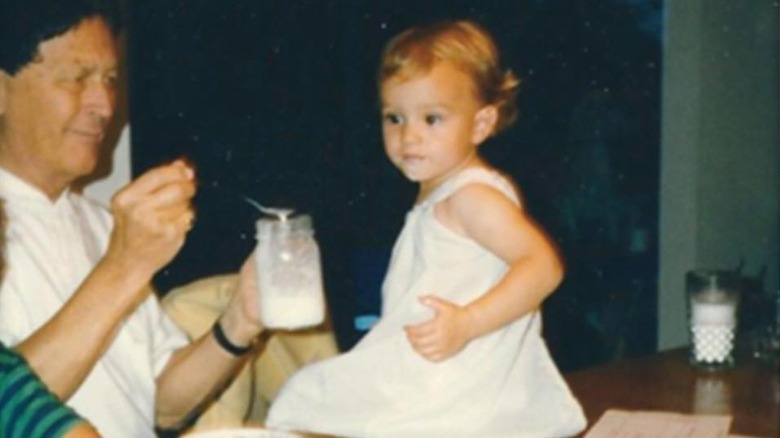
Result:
pixel 50 249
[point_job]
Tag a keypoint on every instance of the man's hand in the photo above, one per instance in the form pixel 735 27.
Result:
pixel 241 320
pixel 152 216
pixel 445 334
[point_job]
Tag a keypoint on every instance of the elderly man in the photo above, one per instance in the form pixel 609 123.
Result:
pixel 75 301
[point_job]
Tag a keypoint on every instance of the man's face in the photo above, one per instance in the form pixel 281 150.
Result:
pixel 54 111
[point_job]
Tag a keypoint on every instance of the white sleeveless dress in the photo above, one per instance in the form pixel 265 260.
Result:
pixel 503 384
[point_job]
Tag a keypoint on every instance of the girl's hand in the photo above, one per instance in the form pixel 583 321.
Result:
pixel 445 334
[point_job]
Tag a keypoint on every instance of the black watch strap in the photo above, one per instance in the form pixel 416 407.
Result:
pixel 225 343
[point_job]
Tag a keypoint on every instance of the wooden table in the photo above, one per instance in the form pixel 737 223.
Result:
pixel 750 392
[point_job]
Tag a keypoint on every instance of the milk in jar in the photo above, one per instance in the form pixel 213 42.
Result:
pixel 289 273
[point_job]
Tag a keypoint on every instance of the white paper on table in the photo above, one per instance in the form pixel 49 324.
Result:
pixel 741 436
pixel 653 424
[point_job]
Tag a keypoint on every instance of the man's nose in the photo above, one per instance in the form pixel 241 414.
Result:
pixel 100 98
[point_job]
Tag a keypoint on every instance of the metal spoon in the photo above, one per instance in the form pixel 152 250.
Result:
pixel 281 213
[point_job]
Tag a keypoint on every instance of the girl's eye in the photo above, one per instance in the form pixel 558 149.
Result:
pixel 393 119
pixel 432 119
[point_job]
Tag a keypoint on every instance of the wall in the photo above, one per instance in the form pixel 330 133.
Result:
pixel 720 160
pixel 119 173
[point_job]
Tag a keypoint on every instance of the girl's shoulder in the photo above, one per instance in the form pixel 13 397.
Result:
pixel 478 175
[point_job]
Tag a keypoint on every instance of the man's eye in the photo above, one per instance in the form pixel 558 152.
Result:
pixel 71 82
pixel 432 119
pixel 111 78
pixel 80 78
pixel 393 119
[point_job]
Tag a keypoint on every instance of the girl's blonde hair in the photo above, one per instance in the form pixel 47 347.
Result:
pixel 465 44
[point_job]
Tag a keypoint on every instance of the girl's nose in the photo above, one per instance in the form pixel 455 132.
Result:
pixel 409 134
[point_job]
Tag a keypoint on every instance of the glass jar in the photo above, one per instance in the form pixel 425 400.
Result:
pixel 289 276
pixel 713 300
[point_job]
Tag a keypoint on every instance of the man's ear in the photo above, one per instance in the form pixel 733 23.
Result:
pixel 484 123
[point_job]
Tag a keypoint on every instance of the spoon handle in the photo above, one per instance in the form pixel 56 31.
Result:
pixel 281 213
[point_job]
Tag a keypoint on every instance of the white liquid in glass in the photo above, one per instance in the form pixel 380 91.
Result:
pixel 289 274
pixel 712 327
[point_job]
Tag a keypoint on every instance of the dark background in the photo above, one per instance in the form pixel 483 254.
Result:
pixel 276 101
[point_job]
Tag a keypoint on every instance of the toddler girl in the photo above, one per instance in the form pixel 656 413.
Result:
pixel 458 350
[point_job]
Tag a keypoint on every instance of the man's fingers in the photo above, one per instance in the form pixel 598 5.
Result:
pixel 175 220
pixel 186 220
pixel 159 176
pixel 156 178
pixel 189 219
pixel 168 203
pixel 171 194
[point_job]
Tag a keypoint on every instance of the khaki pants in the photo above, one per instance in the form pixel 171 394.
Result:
pixel 195 307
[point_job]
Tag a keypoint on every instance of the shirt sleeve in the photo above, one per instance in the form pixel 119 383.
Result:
pixel 166 336
pixel 13 323
pixel 27 408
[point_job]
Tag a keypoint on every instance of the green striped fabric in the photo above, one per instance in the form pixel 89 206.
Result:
pixel 27 408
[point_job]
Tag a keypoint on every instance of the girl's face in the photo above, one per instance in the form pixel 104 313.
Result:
pixel 433 123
